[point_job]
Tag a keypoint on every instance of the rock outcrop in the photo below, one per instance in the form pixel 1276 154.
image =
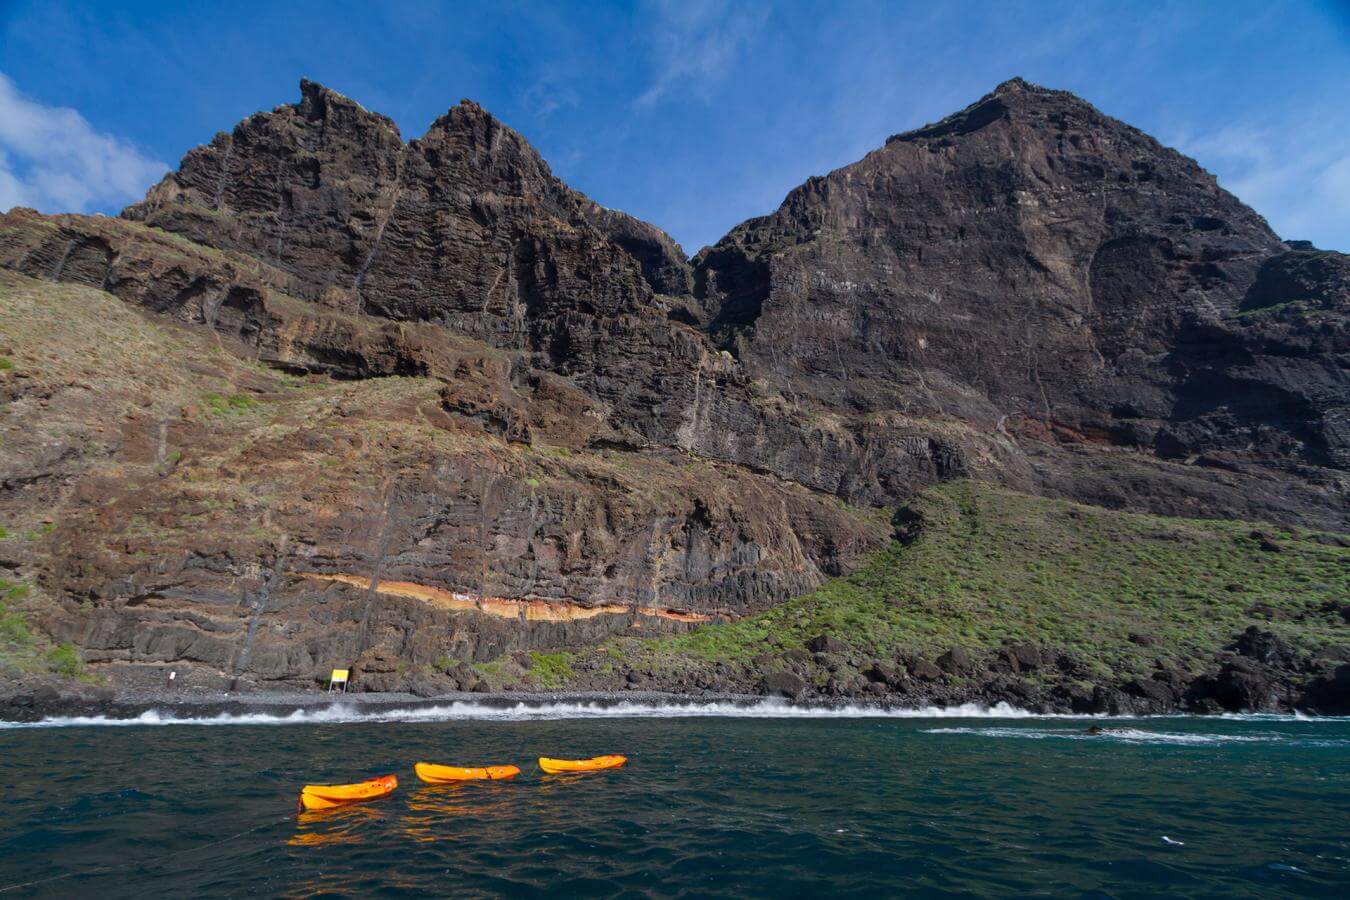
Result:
pixel 1035 268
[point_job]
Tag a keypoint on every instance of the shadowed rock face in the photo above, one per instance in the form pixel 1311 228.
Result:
pixel 466 226
pixel 1024 276
pixel 1028 292
pixel 1027 250
pixel 1030 265
pixel 307 188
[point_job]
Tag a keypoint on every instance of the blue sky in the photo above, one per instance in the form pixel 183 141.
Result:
pixel 693 115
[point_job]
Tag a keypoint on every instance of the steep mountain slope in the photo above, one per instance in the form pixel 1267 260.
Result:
pixel 168 502
pixel 1036 268
pixel 419 404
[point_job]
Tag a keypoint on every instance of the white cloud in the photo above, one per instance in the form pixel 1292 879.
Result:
pixel 695 43
pixel 52 159
pixel 1299 179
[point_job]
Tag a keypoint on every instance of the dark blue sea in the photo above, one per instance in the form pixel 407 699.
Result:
pixel 767 801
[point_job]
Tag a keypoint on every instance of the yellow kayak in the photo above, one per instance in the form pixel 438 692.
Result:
pixel 327 796
pixel 560 766
pixel 433 774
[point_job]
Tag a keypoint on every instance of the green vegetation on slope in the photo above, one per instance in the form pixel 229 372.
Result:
pixel 219 405
pixel 1118 591
pixel 22 652
pixel 551 670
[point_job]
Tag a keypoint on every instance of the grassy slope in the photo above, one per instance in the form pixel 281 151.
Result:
pixel 993 565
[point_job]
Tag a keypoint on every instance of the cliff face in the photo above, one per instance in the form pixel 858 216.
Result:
pixel 536 423
pixel 1035 268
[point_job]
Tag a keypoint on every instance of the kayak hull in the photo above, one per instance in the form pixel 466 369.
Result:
pixel 567 766
pixel 328 796
pixel 434 774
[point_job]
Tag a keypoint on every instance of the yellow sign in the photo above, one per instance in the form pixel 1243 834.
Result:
pixel 339 676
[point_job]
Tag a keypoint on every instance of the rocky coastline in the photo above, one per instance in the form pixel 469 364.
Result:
pixel 1259 673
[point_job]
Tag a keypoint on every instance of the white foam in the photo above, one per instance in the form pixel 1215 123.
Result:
pixel 342 713
pixel 1136 735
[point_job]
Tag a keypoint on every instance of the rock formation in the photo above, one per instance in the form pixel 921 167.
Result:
pixel 577 418
pixel 1034 268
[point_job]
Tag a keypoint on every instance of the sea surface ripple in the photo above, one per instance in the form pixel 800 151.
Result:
pixel 737 802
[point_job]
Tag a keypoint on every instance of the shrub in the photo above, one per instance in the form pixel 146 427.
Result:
pixel 222 405
pixel 13 626
pixel 551 670
pixel 64 659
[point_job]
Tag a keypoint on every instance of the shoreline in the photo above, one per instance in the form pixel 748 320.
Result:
pixel 46 704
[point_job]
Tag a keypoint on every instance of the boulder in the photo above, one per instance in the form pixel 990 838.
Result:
pixel 826 643
pixel 922 668
pixel 377 671
pixel 882 673
pixel 1028 656
pixel 1339 608
pixel 1244 686
pixel 784 684
pixel 430 684
pixel 954 661
pixel 1266 647
pixel 1160 696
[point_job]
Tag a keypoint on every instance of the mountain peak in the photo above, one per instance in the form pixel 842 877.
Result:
pixel 319 102
pixel 1014 85
pixel 1014 94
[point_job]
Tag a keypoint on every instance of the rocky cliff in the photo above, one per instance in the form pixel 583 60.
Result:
pixel 1039 270
pixel 419 404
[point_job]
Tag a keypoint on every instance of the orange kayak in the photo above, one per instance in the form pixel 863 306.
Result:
pixel 433 774
pixel 327 796
pixel 560 766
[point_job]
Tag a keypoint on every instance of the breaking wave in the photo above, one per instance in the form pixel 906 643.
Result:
pixel 357 713
pixel 341 712
pixel 1145 736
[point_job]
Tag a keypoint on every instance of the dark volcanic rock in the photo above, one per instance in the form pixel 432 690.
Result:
pixel 1331 694
pixel 1266 647
pixel 1102 276
pixel 664 265
pixel 954 661
pixel 922 668
pixel 1098 306
pixel 826 643
pixel 1159 694
pixel 883 673
pixel 784 684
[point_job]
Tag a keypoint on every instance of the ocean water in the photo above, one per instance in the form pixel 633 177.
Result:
pixel 764 801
